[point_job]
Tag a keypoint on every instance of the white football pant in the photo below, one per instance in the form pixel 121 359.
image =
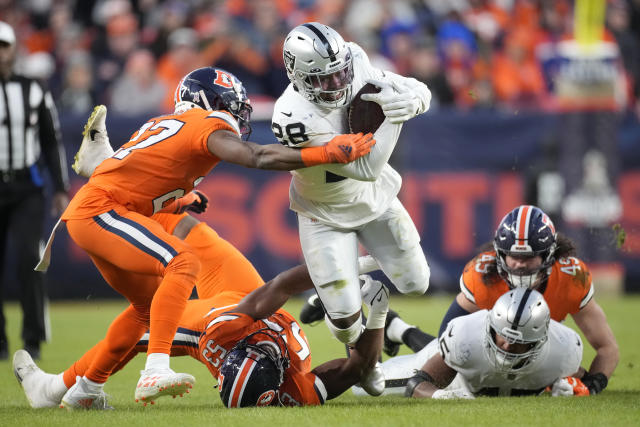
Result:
pixel 331 254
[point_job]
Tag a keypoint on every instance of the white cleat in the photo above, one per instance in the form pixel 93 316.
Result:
pixel 95 145
pixel 80 397
pixel 373 381
pixel 34 381
pixel 155 383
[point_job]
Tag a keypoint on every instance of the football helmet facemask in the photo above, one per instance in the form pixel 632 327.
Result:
pixel 521 316
pixel 214 89
pixel 319 63
pixel 252 372
pixel 525 231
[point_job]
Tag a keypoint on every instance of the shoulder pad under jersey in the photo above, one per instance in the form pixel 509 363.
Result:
pixel 297 122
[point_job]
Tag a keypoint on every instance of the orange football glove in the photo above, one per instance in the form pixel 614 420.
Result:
pixel 341 149
pixel 579 389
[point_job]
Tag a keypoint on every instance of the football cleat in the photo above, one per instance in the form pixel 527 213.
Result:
pixel 390 348
pixel 79 396
pixel 155 383
pixel 312 311
pixel 34 381
pixel 95 145
pixel 373 381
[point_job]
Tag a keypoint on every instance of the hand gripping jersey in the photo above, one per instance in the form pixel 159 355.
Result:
pixel 210 328
pixel 161 162
pixel 464 349
pixel 339 195
pixel 568 289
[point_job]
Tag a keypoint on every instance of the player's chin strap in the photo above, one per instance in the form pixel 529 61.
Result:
pixel 418 378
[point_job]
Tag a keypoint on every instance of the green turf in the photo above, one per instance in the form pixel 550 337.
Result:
pixel 78 325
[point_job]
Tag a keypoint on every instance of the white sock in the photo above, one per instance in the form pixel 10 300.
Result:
pixel 92 385
pixel 396 328
pixel 56 388
pixel 157 361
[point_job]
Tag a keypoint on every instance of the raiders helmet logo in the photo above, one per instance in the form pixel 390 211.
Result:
pixel 289 61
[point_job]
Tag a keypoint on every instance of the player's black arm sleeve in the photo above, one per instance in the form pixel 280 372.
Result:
pixel 51 143
pixel 455 310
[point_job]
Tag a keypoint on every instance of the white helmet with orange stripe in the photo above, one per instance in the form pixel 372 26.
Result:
pixel 524 234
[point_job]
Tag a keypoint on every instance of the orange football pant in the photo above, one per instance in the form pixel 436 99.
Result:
pixel 154 270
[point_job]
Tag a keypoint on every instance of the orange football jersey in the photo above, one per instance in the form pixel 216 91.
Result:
pixel 161 162
pixel 210 328
pixel 568 289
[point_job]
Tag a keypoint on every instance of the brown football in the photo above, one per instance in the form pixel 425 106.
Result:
pixel 365 116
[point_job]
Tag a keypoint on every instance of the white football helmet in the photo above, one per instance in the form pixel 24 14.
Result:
pixel 521 316
pixel 319 64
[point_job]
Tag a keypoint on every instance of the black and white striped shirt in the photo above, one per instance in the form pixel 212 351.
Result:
pixel 29 128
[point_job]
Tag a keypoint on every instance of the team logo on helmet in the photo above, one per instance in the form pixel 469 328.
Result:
pixel 289 60
pixel 213 89
pixel 266 398
pixel 223 79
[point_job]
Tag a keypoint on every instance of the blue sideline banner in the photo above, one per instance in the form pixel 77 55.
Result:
pixel 461 173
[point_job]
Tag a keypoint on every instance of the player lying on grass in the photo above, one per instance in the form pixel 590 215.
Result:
pixel 527 252
pixel 512 350
pixel 109 216
pixel 258 352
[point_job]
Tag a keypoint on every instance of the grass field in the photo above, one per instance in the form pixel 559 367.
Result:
pixel 78 325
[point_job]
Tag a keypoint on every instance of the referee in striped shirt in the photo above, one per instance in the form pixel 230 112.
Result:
pixel 29 136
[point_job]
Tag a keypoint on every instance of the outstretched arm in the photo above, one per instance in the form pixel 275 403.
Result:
pixel 434 375
pixel 268 298
pixel 339 374
pixel 265 300
pixel 227 146
pixel 593 323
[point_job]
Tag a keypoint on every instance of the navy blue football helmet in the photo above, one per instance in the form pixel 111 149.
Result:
pixel 526 231
pixel 215 89
pixel 252 372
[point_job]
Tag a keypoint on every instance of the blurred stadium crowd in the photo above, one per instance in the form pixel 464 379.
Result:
pixel 130 54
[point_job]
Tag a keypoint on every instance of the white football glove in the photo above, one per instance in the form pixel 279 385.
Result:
pixel 398 102
pixel 459 393
pixel 561 387
pixel 375 296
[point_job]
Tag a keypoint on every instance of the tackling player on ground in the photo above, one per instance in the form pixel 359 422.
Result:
pixel 528 253
pixel 256 351
pixel 109 217
pixel 340 207
pixel 512 350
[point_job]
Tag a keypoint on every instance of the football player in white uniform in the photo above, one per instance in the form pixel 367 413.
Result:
pixel 512 350
pixel 339 207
